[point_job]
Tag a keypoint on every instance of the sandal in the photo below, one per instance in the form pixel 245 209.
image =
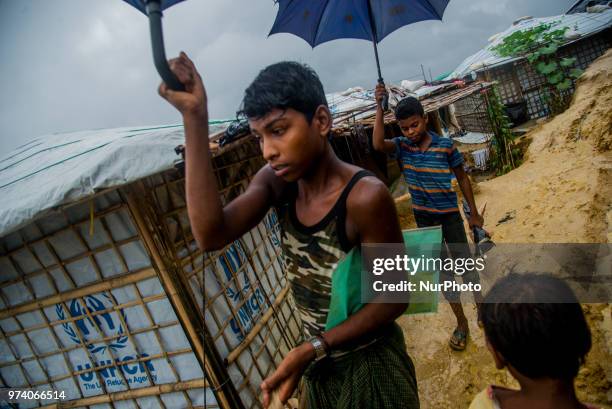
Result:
pixel 458 340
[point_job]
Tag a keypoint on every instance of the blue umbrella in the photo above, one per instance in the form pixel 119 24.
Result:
pixel 319 21
pixel 153 9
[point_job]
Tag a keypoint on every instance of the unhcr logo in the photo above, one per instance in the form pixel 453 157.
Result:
pixel 272 226
pixel 238 288
pixel 93 321
pixel 96 315
pixel 251 299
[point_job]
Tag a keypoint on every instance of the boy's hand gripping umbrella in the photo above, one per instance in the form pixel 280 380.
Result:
pixel 319 21
pixel 153 9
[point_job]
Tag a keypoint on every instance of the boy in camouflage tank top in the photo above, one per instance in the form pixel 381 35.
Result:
pixel 326 207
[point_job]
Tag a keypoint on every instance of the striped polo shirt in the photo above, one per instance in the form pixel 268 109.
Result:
pixel 429 173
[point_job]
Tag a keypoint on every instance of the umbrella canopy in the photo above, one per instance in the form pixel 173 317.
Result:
pixel 319 21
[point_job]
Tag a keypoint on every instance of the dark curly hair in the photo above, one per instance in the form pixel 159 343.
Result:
pixel 283 85
pixel 407 107
pixel 536 323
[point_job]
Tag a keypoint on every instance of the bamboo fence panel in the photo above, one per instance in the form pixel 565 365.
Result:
pixel 518 81
pixel 82 310
pixel 241 290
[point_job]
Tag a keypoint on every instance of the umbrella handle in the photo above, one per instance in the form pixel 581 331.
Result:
pixel 157 44
pixel 385 100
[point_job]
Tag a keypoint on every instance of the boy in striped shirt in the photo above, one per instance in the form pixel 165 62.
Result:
pixel 428 162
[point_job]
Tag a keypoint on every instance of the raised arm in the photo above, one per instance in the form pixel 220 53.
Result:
pixel 378 134
pixel 213 226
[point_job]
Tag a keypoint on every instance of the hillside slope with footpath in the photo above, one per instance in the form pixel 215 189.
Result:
pixel 562 193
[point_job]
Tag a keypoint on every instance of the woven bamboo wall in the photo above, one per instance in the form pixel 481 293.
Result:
pixel 517 81
pixel 471 113
pixel 83 310
pixel 241 290
pixel 111 300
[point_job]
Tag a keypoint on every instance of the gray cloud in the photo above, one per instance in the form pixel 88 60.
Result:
pixel 85 64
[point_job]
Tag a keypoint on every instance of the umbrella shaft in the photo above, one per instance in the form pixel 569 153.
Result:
pixel 380 79
pixel 375 39
pixel 154 12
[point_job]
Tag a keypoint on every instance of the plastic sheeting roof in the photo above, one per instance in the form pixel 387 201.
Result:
pixel 351 99
pixel 357 98
pixel 58 169
pixel 584 24
pixel 473 138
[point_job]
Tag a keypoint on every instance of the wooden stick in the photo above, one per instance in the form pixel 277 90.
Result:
pixel 79 292
pixel 275 402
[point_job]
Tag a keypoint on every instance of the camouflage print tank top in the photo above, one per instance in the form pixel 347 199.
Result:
pixel 311 254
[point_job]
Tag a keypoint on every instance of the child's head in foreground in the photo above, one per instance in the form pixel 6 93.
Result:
pixel 288 113
pixel 534 324
pixel 411 119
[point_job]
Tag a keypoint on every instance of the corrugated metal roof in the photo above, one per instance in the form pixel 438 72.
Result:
pixel 584 24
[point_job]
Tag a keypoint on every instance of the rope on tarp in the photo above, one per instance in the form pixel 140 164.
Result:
pixel 53 164
pixel 212 122
pixel 91 217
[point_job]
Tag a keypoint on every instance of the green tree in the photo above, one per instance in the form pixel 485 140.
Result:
pixel 505 155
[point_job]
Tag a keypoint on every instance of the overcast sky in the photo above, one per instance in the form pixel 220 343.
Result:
pixel 71 65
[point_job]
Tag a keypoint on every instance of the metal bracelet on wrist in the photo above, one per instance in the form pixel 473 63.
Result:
pixel 320 347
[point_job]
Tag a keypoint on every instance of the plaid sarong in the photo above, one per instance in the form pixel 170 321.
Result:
pixel 378 376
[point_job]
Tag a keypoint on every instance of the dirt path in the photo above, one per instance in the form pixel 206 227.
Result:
pixel 562 193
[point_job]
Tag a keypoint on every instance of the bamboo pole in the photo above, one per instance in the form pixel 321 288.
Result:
pixel 257 327
pixel 79 292
pixel 69 349
pixel 185 317
pixel 60 263
pixel 131 394
pixel 44 237
pixel 171 289
pixel 115 308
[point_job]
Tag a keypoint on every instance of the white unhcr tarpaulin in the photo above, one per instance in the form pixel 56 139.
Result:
pixel 83 312
pixel 56 169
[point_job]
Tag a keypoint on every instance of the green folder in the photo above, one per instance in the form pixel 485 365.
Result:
pixel 346 288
